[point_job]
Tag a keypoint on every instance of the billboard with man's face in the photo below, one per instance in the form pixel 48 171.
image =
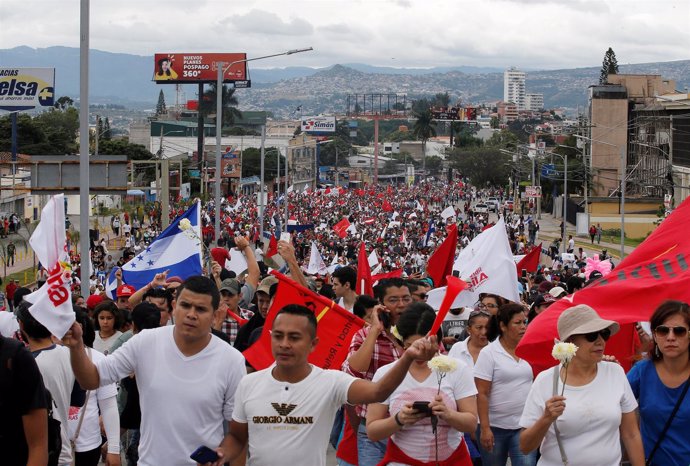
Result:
pixel 198 67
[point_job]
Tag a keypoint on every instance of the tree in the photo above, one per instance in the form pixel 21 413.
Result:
pixel 160 106
pixel 495 123
pixel 229 112
pixel 441 99
pixel 63 103
pixel 609 66
pixel 482 166
pixel 424 129
pixel 251 163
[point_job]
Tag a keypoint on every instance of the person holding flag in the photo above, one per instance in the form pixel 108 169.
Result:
pixel 284 413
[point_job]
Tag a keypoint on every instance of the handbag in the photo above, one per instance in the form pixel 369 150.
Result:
pixel 556 377
pixel 668 423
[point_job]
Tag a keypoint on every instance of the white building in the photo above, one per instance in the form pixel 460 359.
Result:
pixel 534 102
pixel 514 87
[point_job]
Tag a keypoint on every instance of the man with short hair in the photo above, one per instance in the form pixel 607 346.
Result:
pixel 344 286
pixel 263 304
pixel 285 413
pixel 373 347
pixel 185 376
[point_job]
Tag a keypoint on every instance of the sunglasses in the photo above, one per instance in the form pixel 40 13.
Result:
pixel 664 330
pixel 421 295
pixel 479 313
pixel 592 337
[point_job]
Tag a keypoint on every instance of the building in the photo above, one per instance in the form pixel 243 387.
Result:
pixel 301 156
pixel 534 102
pixel 507 112
pixel 514 87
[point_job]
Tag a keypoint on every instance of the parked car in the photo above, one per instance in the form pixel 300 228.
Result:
pixel 508 205
pixel 481 208
pixel 493 204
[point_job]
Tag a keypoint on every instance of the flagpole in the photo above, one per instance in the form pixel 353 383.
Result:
pixel 84 147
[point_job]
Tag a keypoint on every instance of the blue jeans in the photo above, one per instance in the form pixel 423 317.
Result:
pixel 369 453
pixel 506 443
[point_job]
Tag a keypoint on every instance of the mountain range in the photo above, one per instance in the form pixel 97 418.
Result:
pixel 127 80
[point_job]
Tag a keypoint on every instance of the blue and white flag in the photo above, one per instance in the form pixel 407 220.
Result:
pixel 429 231
pixel 111 284
pixel 174 250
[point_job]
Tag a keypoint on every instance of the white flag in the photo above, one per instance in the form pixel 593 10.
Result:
pixel 52 303
pixel 373 259
pixel 487 264
pixel 448 212
pixel 237 262
pixel 316 263
pixel 396 214
pixel 419 206
pixel 334 264
pixel 238 204
pixel 352 229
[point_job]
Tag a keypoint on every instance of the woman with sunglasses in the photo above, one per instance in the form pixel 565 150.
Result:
pixel 597 409
pixel 503 381
pixel 659 382
pixel 412 439
pixel 467 351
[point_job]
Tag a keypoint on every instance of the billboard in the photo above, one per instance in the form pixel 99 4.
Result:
pixel 532 192
pixel 230 163
pixel 318 124
pixel 454 113
pixel 26 88
pixel 198 67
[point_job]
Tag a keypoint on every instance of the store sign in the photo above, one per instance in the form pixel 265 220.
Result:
pixel 318 124
pixel 26 88
pixel 533 192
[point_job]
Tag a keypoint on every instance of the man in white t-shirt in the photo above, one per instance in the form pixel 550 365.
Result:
pixel 344 286
pixel 186 377
pixel 285 413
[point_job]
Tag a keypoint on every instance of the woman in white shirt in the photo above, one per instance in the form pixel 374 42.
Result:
pixel 412 439
pixel 503 381
pixel 106 321
pixel 597 409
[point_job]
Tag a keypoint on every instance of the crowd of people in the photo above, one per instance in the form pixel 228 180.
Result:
pixel 157 374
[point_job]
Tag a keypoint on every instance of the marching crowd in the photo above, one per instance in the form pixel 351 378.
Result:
pixel 157 373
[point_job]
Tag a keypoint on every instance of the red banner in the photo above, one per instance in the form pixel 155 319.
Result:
pixel 657 270
pixel 335 329
pixel 365 282
pixel 453 289
pixel 341 227
pixel 440 263
pixel 198 67
pixel 531 260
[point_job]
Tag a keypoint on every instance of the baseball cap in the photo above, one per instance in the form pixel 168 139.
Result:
pixel 542 299
pixel 93 301
pixel 125 291
pixel 557 292
pixel 266 284
pixel 230 285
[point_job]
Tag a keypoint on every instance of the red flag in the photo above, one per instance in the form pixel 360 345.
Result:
pixel 397 273
pixel 387 207
pixel 365 284
pixel 531 260
pixel 335 329
pixel 453 289
pixel 440 263
pixel 655 271
pixel 341 227
pixel 272 247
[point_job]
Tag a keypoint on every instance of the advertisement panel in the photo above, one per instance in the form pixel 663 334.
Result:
pixel 230 163
pixel 198 67
pixel 318 124
pixel 26 88
pixel 533 191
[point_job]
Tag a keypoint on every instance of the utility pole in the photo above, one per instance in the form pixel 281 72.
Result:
pixel 336 166
pixel 565 201
pixel 84 183
pixel 623 170
pixel 261 184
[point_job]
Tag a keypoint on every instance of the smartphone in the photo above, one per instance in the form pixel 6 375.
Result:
pixel 524 273
pixel 422 407
pixel 203 455
pixel 385 319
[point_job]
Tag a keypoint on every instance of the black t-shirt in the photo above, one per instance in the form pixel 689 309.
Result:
pixel 21 391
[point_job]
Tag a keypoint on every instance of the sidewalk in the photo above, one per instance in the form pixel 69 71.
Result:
pixel 549 229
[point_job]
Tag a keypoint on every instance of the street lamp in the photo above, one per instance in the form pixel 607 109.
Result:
pixel 222 67
pixel 622 186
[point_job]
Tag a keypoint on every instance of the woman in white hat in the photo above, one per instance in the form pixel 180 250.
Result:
pixel 597 409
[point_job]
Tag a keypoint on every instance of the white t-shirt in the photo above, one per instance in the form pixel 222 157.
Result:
pixel 183 399
pixel 90 432
pixel 289 423
pixel 589 426
pixel 414 440
pixel 510 384
pixel 103 345
pixel 59 380
pixel 460 352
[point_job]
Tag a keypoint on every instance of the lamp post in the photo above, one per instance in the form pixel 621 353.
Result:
pixel 222 67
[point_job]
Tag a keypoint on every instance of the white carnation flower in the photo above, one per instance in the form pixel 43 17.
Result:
pixel 443 364
pixel 563 352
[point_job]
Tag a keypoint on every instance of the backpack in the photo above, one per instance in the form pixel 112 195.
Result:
pixel 7 353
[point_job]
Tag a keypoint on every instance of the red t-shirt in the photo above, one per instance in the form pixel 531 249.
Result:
pixel 220 255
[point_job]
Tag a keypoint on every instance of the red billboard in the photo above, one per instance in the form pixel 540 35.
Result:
pixel 198 67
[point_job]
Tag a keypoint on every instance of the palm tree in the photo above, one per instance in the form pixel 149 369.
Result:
pixel 424 129
pixel 207 105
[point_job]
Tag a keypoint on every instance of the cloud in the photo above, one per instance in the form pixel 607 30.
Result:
pixel 263 22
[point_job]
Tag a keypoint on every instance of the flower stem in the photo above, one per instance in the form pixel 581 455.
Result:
pixel 565 378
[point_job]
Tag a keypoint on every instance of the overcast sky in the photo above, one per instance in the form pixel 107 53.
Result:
pixel 530 34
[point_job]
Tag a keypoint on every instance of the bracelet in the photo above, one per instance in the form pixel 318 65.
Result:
pixel 397 420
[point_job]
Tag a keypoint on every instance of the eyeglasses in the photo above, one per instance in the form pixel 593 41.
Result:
pixel 664 330
pixel 592 337
pixel 488 306
pixel 396 299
